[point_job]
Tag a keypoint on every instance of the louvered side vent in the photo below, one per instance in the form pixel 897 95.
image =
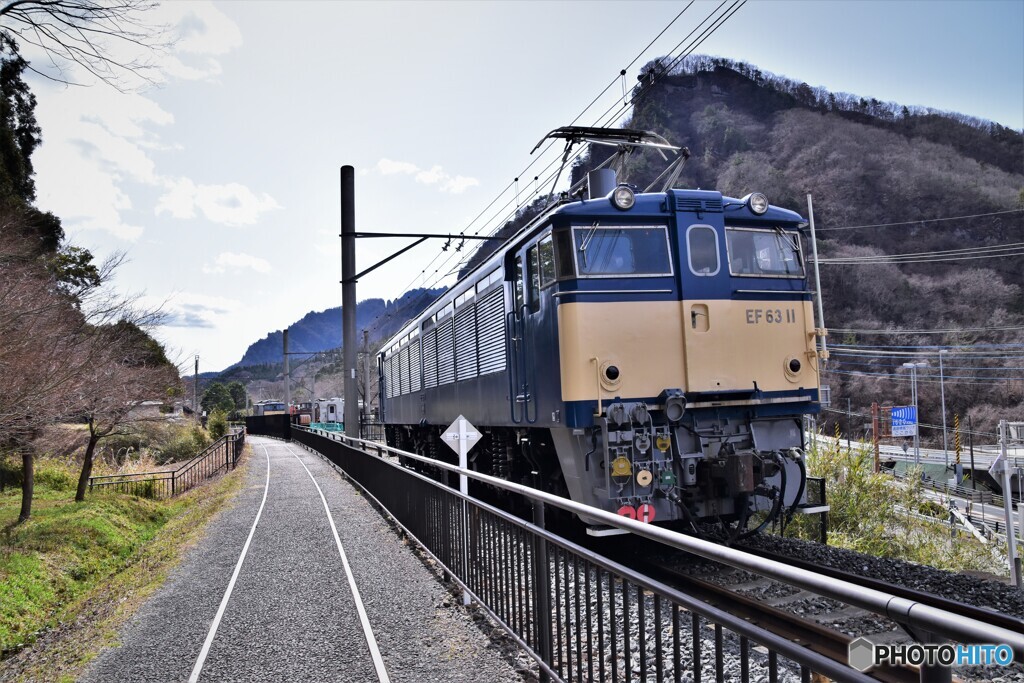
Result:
pixel 403 371
pixel 414 365
pixel 393 375
pixel 465 342
pixel 491 332
pixel 698 205
pixel 445 353
pixel 687 204
pixel 430 359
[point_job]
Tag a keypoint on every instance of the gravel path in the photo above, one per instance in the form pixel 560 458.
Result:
pixel 291 615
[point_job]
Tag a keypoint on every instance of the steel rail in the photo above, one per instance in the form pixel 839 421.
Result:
pixel 816 636
pixel 949 605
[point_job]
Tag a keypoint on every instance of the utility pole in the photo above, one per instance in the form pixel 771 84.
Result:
pixel 942 390
pixel 970 445
pixel 1011 536
pixel 287 376
pixel 195 390
pixel 917 413
pixel 348 298
pixel 874 434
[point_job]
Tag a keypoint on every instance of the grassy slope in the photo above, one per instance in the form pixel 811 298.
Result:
pixel 74 572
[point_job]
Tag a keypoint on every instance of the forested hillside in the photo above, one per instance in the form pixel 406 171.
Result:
pixel 321 331
pixel 896 169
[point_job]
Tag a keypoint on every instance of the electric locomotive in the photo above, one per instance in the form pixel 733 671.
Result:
pixel 651 353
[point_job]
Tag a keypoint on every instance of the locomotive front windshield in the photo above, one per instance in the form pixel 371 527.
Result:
pixel 614 251
pixel 764 253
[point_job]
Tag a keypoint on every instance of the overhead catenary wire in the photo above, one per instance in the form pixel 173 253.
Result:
pixel 613 118
pixel 523 173
pixel 428 281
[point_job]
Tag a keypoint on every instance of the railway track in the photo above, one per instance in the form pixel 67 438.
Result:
pixel 770 613
pixel 985 614
pixel 820 624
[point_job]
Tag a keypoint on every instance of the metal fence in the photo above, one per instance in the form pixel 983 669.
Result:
pixel 581 616
pixel 222 455
pixel 371 430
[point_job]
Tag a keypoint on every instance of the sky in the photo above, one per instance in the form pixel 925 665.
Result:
pixel 220 179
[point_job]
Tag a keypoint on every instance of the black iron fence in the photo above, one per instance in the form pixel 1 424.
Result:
pixel 277 426
pixel 581 616
pixel 221 455
pixel 371 430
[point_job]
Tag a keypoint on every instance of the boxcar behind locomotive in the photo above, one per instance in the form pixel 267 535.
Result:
pixel 648 353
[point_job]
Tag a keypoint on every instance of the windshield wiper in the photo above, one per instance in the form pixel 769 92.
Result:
pixel 793 242
pixel 586 242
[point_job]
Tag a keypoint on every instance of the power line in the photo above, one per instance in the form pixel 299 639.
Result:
pixel 925 425
pixel 926 346
pixel 923 220
pixel 926 378
pixel 865 362
pixel 846 330
pixel 963 253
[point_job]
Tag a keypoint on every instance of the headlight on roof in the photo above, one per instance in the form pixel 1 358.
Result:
pixel 757 203
pixel 623 197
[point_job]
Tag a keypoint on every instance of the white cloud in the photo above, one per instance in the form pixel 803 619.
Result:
pixel 436 175
pixel 230 204
pixel 97 140
pixel 235 261
pixel 203 29
pixel 389 167
pixel 194 310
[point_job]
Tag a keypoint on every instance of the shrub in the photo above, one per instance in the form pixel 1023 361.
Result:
pixel 55 474
pixel 878 515
pixel 217 425
pixel 183 443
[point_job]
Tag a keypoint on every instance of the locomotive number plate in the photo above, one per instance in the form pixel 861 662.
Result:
pixel 756 316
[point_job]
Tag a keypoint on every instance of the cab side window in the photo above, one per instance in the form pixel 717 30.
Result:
pixel 533 266
pixel 518 284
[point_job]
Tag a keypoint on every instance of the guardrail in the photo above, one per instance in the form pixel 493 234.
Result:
pixel 960 491
pixel 569 608
pixel 223 454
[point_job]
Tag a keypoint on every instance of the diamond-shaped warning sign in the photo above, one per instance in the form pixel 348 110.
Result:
pixel 461 431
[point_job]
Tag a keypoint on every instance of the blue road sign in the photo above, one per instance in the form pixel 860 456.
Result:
pixel 904 420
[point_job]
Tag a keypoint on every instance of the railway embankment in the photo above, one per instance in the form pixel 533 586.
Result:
pixel 74 572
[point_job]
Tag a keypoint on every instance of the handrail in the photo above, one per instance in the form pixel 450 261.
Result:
pixel 135 478
pixel 906 612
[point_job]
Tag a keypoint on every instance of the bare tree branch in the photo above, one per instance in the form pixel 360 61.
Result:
pixel 111 40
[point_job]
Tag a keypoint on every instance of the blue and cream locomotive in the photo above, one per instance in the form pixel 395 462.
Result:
pixel 650 353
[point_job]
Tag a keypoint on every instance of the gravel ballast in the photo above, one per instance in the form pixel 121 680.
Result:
pixel 291 615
